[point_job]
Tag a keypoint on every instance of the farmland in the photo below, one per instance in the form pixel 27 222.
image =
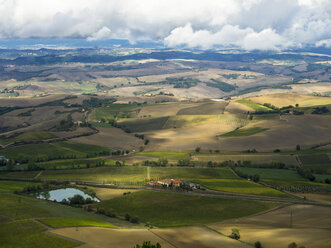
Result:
pixel 244 132
pixel 239 186
pixel 253 130
pixel 169 209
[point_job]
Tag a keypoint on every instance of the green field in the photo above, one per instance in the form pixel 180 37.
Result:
pixel 66 222
pixel 30 136
pixel 129 174
pixel 254 105
pixel 256 158
pixel 239 186
pixel 244 132
pixel 51 151
pixel 167 155
pixel 114 111
pixel 143 125
pixel 313 159
pixel 171 209
pixel 275 174
pixel 27 234
pixel 136 174
pixel 75 163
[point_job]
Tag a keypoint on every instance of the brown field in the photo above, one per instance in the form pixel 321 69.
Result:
pixel 319 87
pixel 164 109
pixel 281 100
pixel 316 197
pixel 237 108
pixel 106 194
pixel 28 101
pixel 306 130
pixel 192 131
pixel 184 237
pixel 113 138
pixel 310 227
pixel 97 237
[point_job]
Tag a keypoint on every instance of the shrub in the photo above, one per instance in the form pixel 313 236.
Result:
pixel 257 244
pixel 235 234
pixel 134 220
pixel 147 244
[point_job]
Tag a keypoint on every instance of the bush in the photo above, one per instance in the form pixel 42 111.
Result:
pixel 127 217
pixel 134 220
pixel 235 234
pixel 147 244
pixel 257 244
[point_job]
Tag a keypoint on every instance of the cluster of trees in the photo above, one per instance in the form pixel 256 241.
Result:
pixel 106 212
pixel 162 162
pixel 77 200
pixel 320 110
pixel 147 244
pixel 132 219
pixel 306 173
pixel 255 178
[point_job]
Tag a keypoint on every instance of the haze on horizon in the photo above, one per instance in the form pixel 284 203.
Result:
pixel 245 24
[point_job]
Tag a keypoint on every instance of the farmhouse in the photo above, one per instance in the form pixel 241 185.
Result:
pixel 175 183
pixel 167 183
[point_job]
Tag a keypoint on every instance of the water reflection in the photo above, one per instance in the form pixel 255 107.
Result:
pixel 63 194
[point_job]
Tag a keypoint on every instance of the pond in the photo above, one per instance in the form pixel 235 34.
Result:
pixel 61 194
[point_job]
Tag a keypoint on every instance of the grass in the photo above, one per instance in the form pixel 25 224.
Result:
pixel 20 207
pixel 191 173
pixel 136 174
pixel 11 186
pixel 130 174
pixel 113 110
pixel 254 105
pixel 143 125
pixel 244 132
pixel 171 209
pixel 74 163
pixel 275 174
pixel 239 186
pixel 312 159
pixel 28 233
pixel 51 150
pixel 29 136
pixel 322 177
pixel 256 158
pixel 67 222
pixel 168 155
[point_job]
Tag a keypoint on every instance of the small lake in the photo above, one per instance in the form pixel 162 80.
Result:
pixel 61 194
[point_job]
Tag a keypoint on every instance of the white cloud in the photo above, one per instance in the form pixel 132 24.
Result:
pixel 103 34
pixel 325 43
pixel 250 24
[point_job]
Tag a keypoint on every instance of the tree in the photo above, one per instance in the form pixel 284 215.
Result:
pixel 147 244
pixel 257 244
pixel 197 149
pixel 298 147
pixel 256 178
pixel 235 234
pixel 292 245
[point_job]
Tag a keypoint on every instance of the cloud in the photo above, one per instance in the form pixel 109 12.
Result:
pixel 249 24
pixel 103 34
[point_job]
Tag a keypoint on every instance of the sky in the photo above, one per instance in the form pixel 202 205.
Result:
pixel 202 24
